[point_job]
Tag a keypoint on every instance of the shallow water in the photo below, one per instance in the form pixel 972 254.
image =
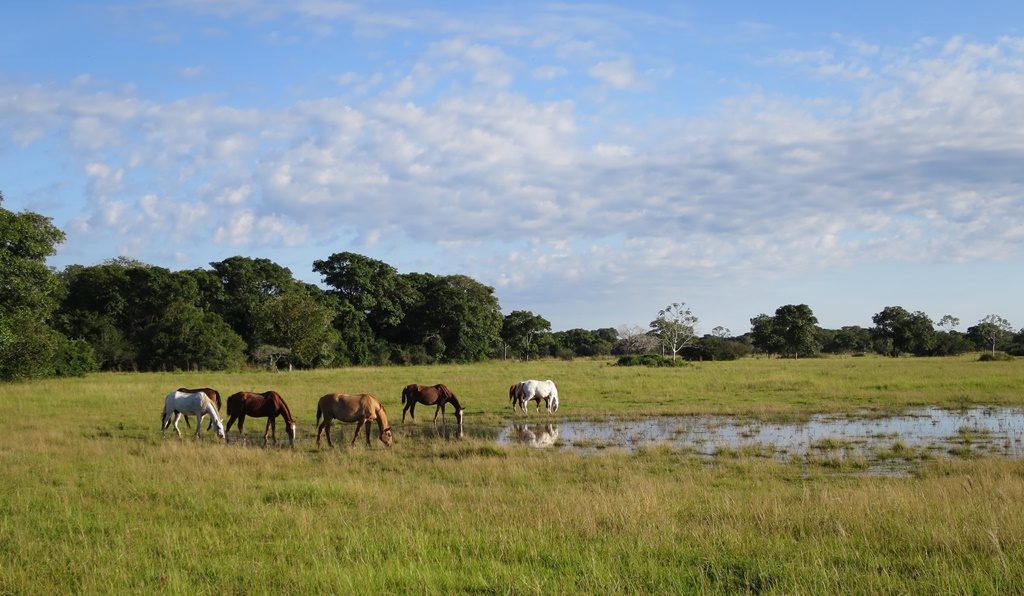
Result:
pixel 981 430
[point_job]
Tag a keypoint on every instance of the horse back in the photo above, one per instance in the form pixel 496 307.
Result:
pixel 348 407
pixel 186 402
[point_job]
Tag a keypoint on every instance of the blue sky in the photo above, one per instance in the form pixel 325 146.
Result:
pixel 593 162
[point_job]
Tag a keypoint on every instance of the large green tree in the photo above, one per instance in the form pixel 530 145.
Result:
pixel 188 338
pixel 373 287
pixel 520 329
pixel 458 318
pixel 795 325
pixel 248 286
pixel 899 331
pixel 29 294
pixel 300 323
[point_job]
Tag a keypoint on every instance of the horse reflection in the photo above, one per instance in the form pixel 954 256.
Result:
pixel 535 435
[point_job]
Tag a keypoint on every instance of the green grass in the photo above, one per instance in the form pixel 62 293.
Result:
pixel 95 501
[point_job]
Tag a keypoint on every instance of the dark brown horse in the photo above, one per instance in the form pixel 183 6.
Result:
pixel 430 395
pixel 268 404
pixel 214 396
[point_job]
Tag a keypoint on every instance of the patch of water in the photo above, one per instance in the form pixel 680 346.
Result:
pixel 981 430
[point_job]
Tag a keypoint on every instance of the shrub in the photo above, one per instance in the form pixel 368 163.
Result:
pixel 74 358
pixel 997 357
pixel 649 360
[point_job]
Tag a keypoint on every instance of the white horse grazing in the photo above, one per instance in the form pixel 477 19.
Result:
pixel 529 390
pixel 197 404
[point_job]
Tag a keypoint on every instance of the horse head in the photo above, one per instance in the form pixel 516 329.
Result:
pixel 291 429
pixel 218 427
pixel 387 437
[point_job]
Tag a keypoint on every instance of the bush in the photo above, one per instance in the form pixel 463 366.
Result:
pixel 997 357
pixel 649 360
pixel 74 358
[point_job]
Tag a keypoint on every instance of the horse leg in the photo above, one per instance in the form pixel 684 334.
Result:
pixel 227 429
pixel 366 424
pixel 359 425
pixel 241 426
pixel 266 431
pixel 176 429
pixel 319 431
pixel 408 405
pixel 327 427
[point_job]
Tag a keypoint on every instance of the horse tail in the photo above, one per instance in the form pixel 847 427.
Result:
pixel 405 394
pixel 319 413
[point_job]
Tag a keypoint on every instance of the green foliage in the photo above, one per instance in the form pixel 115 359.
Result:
pixel 656 360
pixel 373 287
pixel 456 318
pixel 26 239
pixel 298 322
pixel 583 342
pixel 991 332
pixel 899 331
pixel 995 357
pixel 520 330
pixel 74 358
pixel 247 286
pixel 29 294
pixel 187 338
pixel 28 346
pixel 795 325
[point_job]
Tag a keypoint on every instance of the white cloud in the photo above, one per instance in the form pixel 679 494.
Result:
pixel 190 72
pixel 549 72
pixel 618 74
pixel 919 164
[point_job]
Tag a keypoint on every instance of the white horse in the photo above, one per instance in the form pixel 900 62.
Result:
pixel 197 404
pixel 525 391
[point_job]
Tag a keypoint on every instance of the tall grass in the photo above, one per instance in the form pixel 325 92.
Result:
pixel 92 499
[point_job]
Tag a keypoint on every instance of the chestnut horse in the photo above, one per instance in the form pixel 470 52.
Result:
pixel 429 395
pixel 269 405
pixel 213 394
pixel 360 408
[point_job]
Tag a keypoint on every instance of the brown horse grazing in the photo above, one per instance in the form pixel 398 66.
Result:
pixel 360 408
pixel 214 396
pixel 269 405
pixel 430 395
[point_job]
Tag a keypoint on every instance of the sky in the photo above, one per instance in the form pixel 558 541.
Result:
pixel 593 162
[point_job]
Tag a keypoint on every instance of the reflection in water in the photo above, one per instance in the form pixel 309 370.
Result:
pixel 534 435
pixel 997 430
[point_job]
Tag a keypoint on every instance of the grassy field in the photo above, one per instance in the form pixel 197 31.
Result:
pixel 92 499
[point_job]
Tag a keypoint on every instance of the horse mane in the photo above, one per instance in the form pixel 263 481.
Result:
pixel 448 395
pixel 282 405
pixel 445 392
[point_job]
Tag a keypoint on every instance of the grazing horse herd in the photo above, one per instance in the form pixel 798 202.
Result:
pixel 363 409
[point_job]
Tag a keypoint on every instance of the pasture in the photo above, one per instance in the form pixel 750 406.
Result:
pixel 95 500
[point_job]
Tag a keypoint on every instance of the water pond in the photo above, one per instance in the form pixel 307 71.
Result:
pixel 977 431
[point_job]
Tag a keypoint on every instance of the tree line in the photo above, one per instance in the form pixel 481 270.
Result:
pixel 125 315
